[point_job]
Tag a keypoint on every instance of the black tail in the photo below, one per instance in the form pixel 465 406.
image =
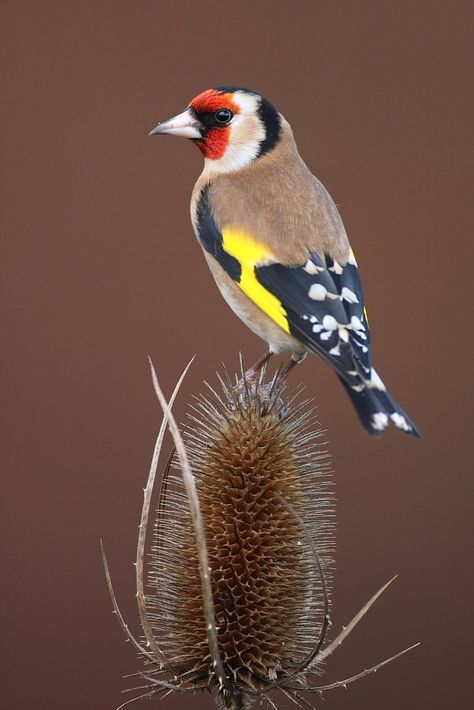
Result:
pixel 377 409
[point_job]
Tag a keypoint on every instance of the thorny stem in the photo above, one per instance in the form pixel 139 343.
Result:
pixel 142 610
pixel 190 486
pixel 352 624
pixel 117 611
pixel 374 669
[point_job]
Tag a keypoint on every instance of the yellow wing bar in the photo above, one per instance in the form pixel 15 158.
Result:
pixel 251 253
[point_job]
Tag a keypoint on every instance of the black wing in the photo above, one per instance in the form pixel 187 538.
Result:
pixel 324 302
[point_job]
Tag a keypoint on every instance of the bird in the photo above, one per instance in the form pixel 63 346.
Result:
pixel 277 247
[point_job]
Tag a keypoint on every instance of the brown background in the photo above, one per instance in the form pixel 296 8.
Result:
pixel 100 267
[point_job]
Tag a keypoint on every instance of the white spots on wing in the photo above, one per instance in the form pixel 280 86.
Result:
pixel 344 335
pixel 311 268
pixel 336 268
pixel 328 328
pixel 379 421
pixel 358 327
pixel 400 421
pixel 348 295
pixel 375 382
pixel 329 323
pixel 358 388
pixel 356 324
pixel 363 347
pixel 317 327
pixel 317 292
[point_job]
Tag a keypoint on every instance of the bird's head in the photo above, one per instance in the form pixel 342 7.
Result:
pixel 230 125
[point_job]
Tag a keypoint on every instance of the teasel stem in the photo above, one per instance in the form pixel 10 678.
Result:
pixel 117 611
pixel 362 674
pixel 147 493
pixel 353 623
pixel 195 509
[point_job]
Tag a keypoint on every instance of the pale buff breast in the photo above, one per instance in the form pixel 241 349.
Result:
pixel 254 318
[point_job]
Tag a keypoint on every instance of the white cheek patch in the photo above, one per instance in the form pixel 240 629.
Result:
pixel 246 135
pixel 248 103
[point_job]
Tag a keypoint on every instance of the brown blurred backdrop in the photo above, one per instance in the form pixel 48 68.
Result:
pixel 100 268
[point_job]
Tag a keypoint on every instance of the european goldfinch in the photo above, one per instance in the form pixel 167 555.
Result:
pixel 276 244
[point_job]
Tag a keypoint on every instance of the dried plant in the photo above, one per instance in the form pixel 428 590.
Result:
pixel 242 557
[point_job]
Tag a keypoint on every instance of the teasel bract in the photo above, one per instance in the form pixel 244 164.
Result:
pixel 238 590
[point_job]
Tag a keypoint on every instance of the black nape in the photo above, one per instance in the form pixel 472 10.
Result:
pixel 271 120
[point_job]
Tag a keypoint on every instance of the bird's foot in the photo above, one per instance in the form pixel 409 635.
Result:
pixel 268 393
pixel 253 373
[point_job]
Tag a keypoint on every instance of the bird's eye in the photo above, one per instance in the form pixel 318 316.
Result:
pixel 224 116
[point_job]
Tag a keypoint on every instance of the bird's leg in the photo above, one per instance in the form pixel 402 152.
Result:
pixel 295 359
pixel 288 368
pixel 252 372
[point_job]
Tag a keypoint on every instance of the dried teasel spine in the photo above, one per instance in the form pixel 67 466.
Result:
pixel 242 556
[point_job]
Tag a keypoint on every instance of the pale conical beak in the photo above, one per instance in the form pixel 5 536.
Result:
pixel 184 124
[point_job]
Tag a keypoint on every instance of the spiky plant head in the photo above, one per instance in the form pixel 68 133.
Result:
pixel 257 461
pixel 242 556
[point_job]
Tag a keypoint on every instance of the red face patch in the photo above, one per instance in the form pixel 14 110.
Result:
pixel 216 140
pixel 213 100
pixel 215 143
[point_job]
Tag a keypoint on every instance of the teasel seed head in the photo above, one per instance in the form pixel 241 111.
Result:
pixel 241 563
